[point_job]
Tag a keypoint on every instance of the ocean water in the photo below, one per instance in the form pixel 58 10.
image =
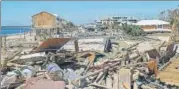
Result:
pixel 10 30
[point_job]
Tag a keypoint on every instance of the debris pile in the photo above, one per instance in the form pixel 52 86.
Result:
pixel 52 65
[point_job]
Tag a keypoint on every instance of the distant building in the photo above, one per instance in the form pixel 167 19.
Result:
pixel 118 20
pixel 50 24
pixel 154 25
pixel 45 22
pixel 124 19
pixel 108 21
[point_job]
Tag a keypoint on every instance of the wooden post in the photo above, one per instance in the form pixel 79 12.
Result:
pixel 24 34
pixel 4 44
pixel 76 48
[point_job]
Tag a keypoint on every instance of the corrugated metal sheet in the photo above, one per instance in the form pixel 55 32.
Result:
pixel 52 45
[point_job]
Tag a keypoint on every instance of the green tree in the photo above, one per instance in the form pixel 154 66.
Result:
pixel 133 30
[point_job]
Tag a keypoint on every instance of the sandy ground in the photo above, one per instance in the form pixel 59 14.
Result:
pixel 21 36
pixel 15 39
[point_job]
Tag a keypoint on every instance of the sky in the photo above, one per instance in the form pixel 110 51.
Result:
pixel 18 13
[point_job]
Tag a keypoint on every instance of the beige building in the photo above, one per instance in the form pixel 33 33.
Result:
pixel 107 21
pixel 154 25
pixel 45 23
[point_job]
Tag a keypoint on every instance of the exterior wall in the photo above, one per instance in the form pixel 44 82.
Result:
pixel 44 20
pixel 107 21
pixel 166 27
pixel 148 27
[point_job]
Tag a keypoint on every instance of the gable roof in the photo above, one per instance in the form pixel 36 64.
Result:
pixel 45 12
pixel 151 22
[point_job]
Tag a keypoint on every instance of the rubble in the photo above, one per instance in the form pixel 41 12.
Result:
pixel 59 64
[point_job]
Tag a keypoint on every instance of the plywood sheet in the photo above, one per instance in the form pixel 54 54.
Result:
pixel 170 75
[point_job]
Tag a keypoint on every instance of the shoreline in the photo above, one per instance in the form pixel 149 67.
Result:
pixel 13 34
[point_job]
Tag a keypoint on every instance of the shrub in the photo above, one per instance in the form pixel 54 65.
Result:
pixel 133 30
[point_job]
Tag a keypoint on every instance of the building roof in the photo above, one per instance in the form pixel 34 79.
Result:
pixel 157 30
pixel 45 12
pixel 151 22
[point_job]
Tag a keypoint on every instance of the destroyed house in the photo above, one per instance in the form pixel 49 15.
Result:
pixel 45 22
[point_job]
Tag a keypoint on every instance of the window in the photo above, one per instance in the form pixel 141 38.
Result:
pixel 159 26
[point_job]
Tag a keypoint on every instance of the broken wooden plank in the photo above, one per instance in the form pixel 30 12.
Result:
pixel 10 58
pixel 116 81
pixel 125 78
pixel 100 75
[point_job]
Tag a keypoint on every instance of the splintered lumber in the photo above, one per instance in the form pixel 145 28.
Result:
pixel 10 58
pixel 108 67
pixel 91 59
pixel 103 76
pixel 96 72
pixel 125 78
pixel 14 64
pixel 100 75
pixel 30 58
pixel 161 45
